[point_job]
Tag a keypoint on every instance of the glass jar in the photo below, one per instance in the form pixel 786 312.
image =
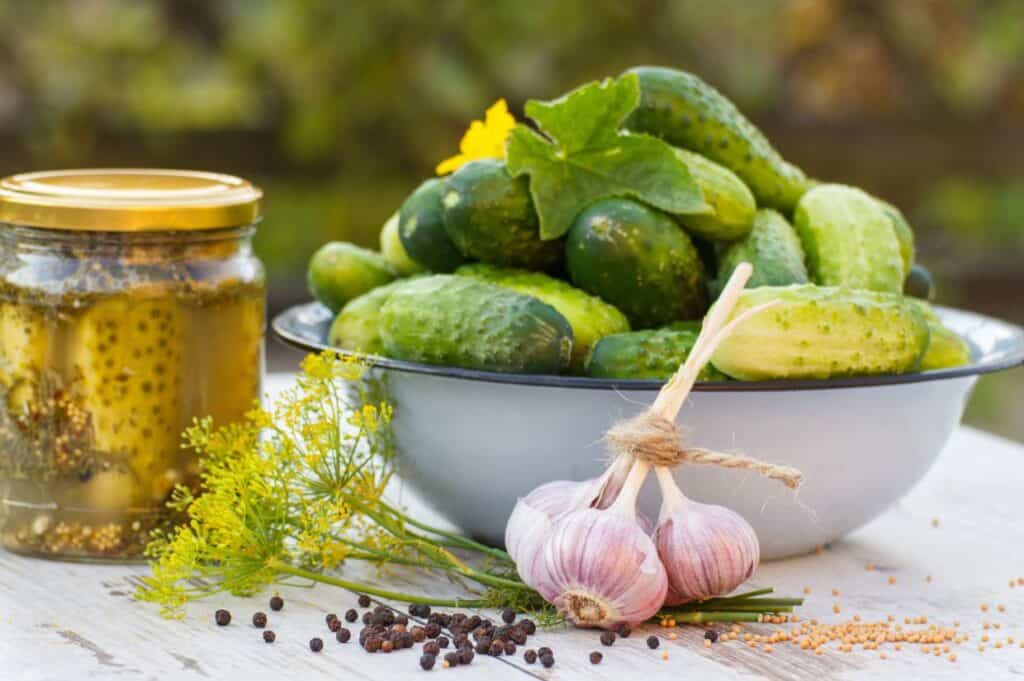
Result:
pixel 130 304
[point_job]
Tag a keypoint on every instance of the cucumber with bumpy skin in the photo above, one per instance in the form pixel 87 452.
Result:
pixel 823 332
pixel 489 216
pixel 946 349
pixel 421 229
pixel 904 234
pixel 340 271
pixel 848 240
pixel 357 326
pixel 730 203
pixel 652 353
pixel 687 112
pixel 394 252
pixel 772 247
pixel 639 260
pixel 463 322
pixel 590 317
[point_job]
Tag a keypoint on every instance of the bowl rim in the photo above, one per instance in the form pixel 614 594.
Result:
pixel 283 327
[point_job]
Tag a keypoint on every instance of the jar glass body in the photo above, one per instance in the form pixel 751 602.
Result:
pixel 111 344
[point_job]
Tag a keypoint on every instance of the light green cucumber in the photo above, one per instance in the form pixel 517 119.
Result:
pixel 687 112
pixel 904 234
pixel 946 349
pixel 772 247
pixel 357 326
pixel 651 353
pixel 823 332
pixel 340 271
pixel 394 252
pixel 731 206
pixel 590 317
pixel 464 322
pixel 848 239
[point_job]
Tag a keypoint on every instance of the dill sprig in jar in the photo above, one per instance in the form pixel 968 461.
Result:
pixel 130 304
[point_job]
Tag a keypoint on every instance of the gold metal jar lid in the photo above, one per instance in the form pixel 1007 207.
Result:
pixel 128 200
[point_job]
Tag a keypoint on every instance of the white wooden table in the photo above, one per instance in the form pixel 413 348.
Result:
pixel 961 527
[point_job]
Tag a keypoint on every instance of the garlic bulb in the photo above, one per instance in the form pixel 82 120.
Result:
pixel 706 550
pixel 534 515
pixel 599 567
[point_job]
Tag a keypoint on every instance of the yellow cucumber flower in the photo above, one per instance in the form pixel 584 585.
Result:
pixel 483 139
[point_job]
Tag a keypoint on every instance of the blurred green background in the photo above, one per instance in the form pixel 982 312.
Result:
pixel 339 108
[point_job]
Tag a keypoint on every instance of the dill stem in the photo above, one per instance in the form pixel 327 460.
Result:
pixel 358 588
pixel 701 617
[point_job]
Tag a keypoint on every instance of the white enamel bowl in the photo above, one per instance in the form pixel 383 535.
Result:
pixel 472 442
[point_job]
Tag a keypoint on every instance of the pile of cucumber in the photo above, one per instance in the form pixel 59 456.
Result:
pixel 463 277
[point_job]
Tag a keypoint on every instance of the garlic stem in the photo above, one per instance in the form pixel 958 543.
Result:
pixel 672 498
pixel 625 504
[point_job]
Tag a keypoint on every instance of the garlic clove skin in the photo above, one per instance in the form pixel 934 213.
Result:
pixel 600 569
pixel 706 550
pixel 533 516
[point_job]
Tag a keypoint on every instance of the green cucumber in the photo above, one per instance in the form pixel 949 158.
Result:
pixel 357 326
pixel 463 322
pixel 340 271
pixel 904 234
pixel 849 239
pixel 772 247
pixel 946 349
pixel 639 260
pixel 687 112
pixel 421 229
pixel 823 332
pixel 651 353
pixel 731 205
pixel 489 216
pixel 590 317
pixel 394 252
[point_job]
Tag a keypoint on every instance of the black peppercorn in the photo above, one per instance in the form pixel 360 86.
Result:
pixel 473 622
pixel 596 657
pixel 496 649
pixel 259 620
pixel 334 624
pixel 528 627
pixel 653 642
pixel 431 648
pixel 544 650
pixel 452 659
pixel 386 646
pixel 316 645
pixel 373 644
pixel 418 634
pixel 343 635
pixel 330 616
pixel 222 618
pixel 401 619
pixel 711 635
pixel 363 600
pixel 427 662
pixel 530 656
pixel 483 645
pixel 508 615
pixel 433 630
pixel 351 615
pixel 624 630
pixel 407 640
pixel 367 617
pixel 510 648
pixel 465 656
pixel 269 636
pixel 276 603
pixel 547 660
pixel 608 637
pixel 518 636
pixel 460 640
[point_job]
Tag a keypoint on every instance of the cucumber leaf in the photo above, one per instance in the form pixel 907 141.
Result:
pixel 580 156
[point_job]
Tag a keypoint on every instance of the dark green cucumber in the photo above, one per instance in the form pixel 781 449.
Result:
pixel 687 112
pixel 463 322
pixel 652 353
pixel 639 260
pixel 772 247
pixel 590 317
pixel 421 229
pixel 340 271
pixel 489 216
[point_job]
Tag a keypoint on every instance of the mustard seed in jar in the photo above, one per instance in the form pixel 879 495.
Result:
pixel 130 304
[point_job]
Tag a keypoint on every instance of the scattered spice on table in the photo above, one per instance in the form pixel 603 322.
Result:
pixel 269 636
pixel 316 645
pixel 608 638
pixel 259 620
pixel 276 603
pixel 222 617
pixel 343 635
pixel 596 657
pixel 653 642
